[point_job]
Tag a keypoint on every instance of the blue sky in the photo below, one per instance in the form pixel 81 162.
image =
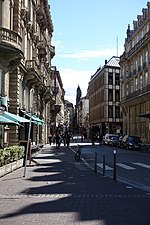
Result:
pixel 85 34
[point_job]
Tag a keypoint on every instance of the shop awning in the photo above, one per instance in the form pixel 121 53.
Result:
pixel 37 120
pixel 34 118
pixel 4 121
pixel 15 118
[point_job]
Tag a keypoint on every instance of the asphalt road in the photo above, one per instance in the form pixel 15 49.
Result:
pixel 132 167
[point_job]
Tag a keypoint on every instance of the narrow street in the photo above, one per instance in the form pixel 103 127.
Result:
pixel 132 167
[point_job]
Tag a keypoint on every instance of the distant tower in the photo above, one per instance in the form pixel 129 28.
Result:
pixel 78 96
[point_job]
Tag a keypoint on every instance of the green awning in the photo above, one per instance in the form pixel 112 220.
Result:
pixel 37 120
pixel 34 118
pixel 15 118
pixel 4 121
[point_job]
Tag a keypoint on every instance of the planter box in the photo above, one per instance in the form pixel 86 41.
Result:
pixel 10 167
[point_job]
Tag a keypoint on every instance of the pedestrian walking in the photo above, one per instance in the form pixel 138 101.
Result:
pixel 67 139
pixel 58 139
pixel 50 138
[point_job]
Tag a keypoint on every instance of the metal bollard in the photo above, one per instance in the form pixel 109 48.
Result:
pixel 114 169
pixel 95 167
pixel 103 165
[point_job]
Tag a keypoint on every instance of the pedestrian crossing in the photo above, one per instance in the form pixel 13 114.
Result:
pixel 132 166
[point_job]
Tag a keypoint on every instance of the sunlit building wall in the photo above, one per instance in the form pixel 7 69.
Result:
pixel 135 77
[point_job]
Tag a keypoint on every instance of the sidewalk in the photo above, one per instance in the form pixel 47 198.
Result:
pixel 63 191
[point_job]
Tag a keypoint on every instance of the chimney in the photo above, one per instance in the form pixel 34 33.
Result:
pixel 105 61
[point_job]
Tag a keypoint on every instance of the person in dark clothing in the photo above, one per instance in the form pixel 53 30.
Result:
pixel 50 139
pixel 68 139
pixel 57 138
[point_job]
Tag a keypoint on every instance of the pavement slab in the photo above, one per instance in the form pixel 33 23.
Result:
pixel 63 191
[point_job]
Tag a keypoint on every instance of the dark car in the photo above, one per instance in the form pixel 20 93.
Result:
pixel 131 142
pixel 114 141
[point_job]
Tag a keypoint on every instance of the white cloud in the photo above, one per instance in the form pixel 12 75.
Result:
pixel 71 79
pixel 89 54
pixel 58 44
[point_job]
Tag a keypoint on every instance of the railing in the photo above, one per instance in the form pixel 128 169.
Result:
pixel 139 44
pixel 52 50
pixel 10 36
pixel 31 64
pixel 137 92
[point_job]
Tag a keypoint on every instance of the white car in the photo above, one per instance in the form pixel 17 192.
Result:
pixel 107 138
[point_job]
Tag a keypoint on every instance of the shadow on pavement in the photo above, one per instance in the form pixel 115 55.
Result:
pixel 64 185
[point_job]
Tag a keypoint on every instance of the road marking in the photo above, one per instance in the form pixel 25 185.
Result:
pixel 142 165
pixel 106 167
pixel 125 166
pixel 80 195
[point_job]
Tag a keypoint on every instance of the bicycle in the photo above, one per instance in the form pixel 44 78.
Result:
pixel 78 153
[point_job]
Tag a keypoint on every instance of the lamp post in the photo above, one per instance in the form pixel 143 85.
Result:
pixel 28 143
pixel 114 169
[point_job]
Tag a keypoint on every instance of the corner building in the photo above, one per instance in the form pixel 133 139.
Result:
pixel 104 98
pixel 135 77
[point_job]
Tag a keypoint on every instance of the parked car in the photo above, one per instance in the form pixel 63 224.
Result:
pixel 132 142
pixel 107 138
pixel 114 141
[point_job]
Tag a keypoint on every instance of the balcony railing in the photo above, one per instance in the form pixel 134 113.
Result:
pixel 8 36
pixel 139 44
pixel 138 92
pixel 52 50
pixel 32 65
pixel 42 48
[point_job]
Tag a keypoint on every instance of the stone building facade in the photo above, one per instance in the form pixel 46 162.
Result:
pixel 104 98
pixel 57 107
pixel 135 77
pixel 25 66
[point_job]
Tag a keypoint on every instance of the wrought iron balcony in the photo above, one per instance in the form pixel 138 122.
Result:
pixel 42 48
pixel 32 65
pixel 139 44
pixel 142 91
pixel 52 50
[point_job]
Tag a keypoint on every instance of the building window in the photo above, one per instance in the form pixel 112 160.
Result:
pixel 127 89
pixel 141 61
pixel 110 111
pixel 146 78
pixel 137 65
pixel 117 112
pixel 110 95
pixel 117 95
pixel 146 57
pixel 132 67
pixel 110 78
pixel 117 79
pixel 141 82
pixel 136 84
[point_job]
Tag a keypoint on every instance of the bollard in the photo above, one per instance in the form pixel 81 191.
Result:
pixel 114 169
pixel 95 167
pixel 103 165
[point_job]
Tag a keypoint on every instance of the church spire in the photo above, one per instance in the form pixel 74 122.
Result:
pixel 78 95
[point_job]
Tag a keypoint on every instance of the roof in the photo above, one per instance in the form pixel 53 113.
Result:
pixel 114 61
